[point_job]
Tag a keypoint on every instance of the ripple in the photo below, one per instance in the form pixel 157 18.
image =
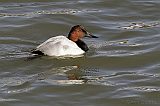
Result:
pixel 23 84
pixel 12 48
pixel 141 25
pixel 14 26
pixel 143 88
pixel 16 91
pixel 34 9
pixel 55 71
pixel 49 12
pixel 17 81
pixel 18 84
pixel 13 81
pixel 64 82
pixel 126 47
pixel 8 100
pixel 15 40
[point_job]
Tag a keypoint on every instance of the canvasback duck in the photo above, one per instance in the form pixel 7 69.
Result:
pixel 65 46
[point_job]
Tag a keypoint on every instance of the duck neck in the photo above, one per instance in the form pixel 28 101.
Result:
pixel 82 45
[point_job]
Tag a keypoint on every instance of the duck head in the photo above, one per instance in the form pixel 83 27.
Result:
pixel 77 32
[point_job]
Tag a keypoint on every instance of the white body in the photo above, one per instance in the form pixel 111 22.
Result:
pixel 60 46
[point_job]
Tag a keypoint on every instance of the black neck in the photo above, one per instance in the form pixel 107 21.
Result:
pixel 82 45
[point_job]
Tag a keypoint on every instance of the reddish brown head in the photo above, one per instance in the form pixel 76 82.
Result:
pixel 77 32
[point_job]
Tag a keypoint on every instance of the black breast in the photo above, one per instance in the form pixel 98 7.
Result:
pixel 82 45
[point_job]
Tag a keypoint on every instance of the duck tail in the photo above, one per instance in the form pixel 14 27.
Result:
pixel 38 52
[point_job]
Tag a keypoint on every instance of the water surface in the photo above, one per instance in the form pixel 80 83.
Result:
pixel 122 67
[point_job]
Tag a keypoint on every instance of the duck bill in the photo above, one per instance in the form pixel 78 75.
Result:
pixel 90 35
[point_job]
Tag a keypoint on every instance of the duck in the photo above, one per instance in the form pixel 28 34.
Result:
pixel 61 45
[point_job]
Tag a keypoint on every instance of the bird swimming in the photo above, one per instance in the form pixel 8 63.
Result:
pixel 65 46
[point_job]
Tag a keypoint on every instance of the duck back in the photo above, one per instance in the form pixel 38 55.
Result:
pixel 58 46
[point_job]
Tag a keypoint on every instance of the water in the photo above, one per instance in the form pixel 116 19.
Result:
pixel 122 67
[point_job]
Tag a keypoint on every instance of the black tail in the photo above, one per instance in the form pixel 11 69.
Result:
pixel 38 52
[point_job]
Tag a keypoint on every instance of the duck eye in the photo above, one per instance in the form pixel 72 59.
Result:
pixel 79 30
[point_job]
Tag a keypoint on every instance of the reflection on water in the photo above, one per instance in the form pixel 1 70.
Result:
pixel 120 69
